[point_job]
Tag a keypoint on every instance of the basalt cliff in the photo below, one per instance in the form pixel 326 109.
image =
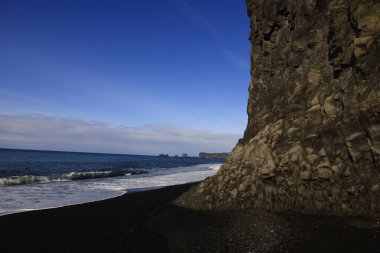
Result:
pixel 312 142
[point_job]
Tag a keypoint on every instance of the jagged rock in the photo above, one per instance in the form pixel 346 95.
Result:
pixel 325 173
pixel 312 142
pixel 305 175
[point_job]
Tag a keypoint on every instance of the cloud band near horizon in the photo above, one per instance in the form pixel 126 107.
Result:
pixel 66 134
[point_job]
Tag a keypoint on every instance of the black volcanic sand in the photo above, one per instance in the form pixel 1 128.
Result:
pixel 147 222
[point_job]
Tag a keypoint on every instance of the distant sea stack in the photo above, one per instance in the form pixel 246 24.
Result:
pixel 312 142
pixel 213 155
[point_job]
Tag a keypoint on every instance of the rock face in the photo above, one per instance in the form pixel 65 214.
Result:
pixel 312 142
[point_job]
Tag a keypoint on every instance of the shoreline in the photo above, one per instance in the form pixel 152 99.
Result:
pixel 145 221
pixel 39 196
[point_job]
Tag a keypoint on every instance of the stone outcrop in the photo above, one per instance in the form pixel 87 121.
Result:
pixel 312 142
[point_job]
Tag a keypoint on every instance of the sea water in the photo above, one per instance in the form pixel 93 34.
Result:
pixel 31 180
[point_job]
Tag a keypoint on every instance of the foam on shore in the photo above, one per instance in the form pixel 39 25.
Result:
pixel 21 198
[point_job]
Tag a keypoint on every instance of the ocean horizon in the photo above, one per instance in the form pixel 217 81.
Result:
pixel 40 179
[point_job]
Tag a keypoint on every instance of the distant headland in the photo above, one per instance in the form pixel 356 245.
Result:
pixel 213 155
pixel 201 155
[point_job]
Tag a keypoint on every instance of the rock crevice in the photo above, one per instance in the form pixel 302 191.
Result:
pixel 312 142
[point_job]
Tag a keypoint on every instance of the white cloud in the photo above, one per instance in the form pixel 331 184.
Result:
pixel 50 133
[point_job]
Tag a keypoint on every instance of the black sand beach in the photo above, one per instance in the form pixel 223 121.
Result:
pixel 147 222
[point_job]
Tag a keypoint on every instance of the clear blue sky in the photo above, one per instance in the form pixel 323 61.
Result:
pixel 175 68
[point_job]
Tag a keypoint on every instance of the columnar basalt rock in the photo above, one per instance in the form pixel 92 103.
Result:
pixel 312 142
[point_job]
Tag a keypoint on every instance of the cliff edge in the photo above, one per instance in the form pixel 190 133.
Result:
pixel 312 142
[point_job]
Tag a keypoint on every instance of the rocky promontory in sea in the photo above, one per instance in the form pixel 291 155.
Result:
pixel 312 143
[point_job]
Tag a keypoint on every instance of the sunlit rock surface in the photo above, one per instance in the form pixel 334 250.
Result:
pixel 312 142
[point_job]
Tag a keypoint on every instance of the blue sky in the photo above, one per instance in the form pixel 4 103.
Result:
pixel 179 67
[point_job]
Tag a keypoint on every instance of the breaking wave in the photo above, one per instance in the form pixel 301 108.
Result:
pixel 215 167
pixel 32 179
pixel 83 175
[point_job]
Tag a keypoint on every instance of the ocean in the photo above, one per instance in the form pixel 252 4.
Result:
pixel 32 180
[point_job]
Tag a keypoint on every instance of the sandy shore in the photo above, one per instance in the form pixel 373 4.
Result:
pixel 146 222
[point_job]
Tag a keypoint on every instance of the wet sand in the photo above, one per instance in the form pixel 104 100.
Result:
pixel 147 222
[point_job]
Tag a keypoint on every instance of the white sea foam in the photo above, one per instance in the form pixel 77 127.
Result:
pixel 26 197
pixel 31 179
pixel 215 167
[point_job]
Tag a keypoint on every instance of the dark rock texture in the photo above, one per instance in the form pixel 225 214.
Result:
pixel 312 142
